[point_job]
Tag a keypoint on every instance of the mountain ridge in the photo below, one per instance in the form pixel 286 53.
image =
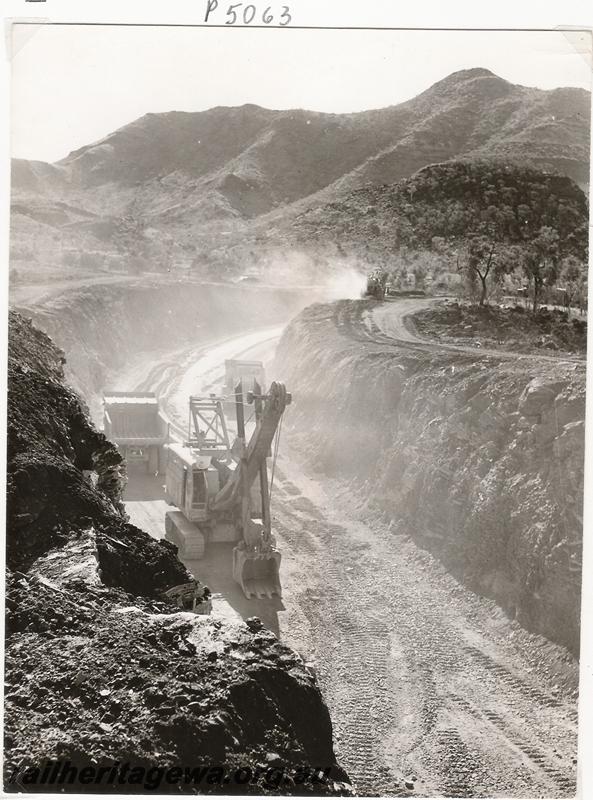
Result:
pixel 177 181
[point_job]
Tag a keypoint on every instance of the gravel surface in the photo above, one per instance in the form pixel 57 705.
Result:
pixel 433 689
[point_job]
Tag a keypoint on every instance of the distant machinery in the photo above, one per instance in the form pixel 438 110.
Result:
pixel 248 372
pixel 376 284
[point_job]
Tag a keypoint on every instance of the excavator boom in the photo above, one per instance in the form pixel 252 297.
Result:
pixel 212 484
pixel 256 452
pixel 256 560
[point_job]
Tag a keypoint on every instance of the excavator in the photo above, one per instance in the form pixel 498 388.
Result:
pixel 221 490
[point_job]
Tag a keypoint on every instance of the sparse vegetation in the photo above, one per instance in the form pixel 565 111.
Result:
pixel 506 328
pixel 481 224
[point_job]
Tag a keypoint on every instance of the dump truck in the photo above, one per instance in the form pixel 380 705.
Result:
pixel 220 490
pixel 135 423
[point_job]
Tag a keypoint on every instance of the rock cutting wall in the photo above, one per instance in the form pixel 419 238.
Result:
pixel 479 459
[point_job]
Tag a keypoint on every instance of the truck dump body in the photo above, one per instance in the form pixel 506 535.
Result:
pixel 143 426
pixel 134 422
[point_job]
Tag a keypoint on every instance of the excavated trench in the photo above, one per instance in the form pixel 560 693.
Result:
pixel 109 329
pixel 445 545
pixel 419 492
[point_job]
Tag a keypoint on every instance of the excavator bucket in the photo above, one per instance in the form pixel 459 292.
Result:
pixel 258 574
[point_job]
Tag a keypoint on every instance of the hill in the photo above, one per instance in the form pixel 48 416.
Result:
pixel 452 202
pixel 170 189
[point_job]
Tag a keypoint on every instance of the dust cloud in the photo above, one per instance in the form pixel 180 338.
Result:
pixel 348 283
pixel 330 275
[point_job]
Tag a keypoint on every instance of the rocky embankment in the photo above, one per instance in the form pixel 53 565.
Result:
pixel 479 459
pixel 106 328
pixel 102 673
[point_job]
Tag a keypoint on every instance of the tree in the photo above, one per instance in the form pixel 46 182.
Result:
pixel 420 272
pixel 505 263
pixel 438 244
pixel 583 293
pixel 480 262
pixel 540 262
pixel 572 274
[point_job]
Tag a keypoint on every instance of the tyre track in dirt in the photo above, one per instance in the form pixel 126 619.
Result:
pixel 343 628
pixel 390 322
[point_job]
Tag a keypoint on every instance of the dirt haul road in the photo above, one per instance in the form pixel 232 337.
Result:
pixel 390 321
pixel 432 690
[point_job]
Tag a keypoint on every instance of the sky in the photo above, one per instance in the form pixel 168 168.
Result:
pixel 72 85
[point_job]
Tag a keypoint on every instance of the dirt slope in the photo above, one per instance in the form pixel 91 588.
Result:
pixel 99 668
pixel 479 459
